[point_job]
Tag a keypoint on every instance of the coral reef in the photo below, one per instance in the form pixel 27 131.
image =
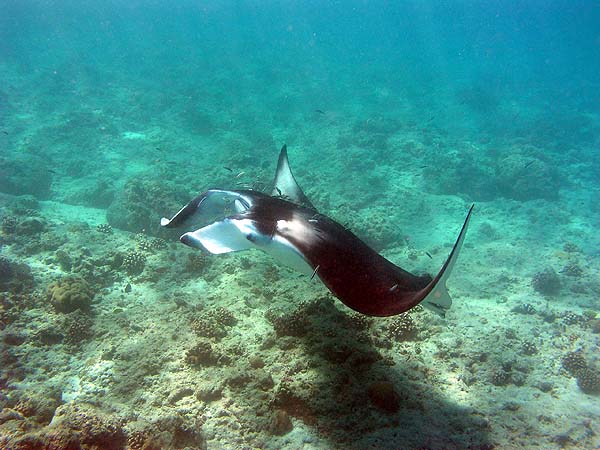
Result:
pixel 12 305
pixel 148 244
pixel 509 372
pixel 205 326
pixel 222 316
pixel 134 262
pixel 204 354
pixel 72 427
pixel 31 226
pixel 522 177
pixel 88 426
pixel 77 329
pixel 104 228
pixel 570 318
pixel 571 247
pixel 196 262
pixel 14 277
pixel 359 322
pixel 546 282
pixel 529 348
pixel 6 269
pixel 588 381
pixel 500 377
pixel 588 378
pixel 572 269
pixel 213 323
pixel 524 308
pixel 403 327
pixel 294 323
pixel 465 174
pixel 69 294
pixel 374 228
pixel 9 224
pixel 573 363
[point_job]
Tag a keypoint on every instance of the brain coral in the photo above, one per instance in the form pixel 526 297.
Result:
pixel 69 294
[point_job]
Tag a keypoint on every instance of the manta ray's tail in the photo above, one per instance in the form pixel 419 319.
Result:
pixel 438 299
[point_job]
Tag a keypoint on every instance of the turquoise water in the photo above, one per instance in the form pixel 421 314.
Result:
pixel 397 117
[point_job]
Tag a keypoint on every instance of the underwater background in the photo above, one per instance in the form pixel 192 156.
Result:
pixel 397 116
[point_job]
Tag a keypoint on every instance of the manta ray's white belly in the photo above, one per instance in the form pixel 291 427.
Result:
pixel 232 235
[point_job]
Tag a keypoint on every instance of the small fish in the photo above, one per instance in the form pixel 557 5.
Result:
pixel 320 111
pixel 429 254
pixel 5 132
pixel 393 288
pixel 51 171
pixel 240 174
pixel 227 168
pixel 528 164
pixel 315 271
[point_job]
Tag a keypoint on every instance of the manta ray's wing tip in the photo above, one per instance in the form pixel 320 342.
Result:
pixel 285 184
pixel 438 299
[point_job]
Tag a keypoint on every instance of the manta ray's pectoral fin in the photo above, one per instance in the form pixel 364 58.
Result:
pixel 207 206
pixel 438 299
pixel 285 185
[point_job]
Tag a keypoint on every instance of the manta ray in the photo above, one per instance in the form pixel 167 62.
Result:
pixel 286 225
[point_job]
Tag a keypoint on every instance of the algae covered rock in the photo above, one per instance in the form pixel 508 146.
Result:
pixel 280 423
pixel 25 175
pixel 86 425
pixel 522 177
pixel 14 276
pixel 31 226
pixel 70 294
pixel 141 201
